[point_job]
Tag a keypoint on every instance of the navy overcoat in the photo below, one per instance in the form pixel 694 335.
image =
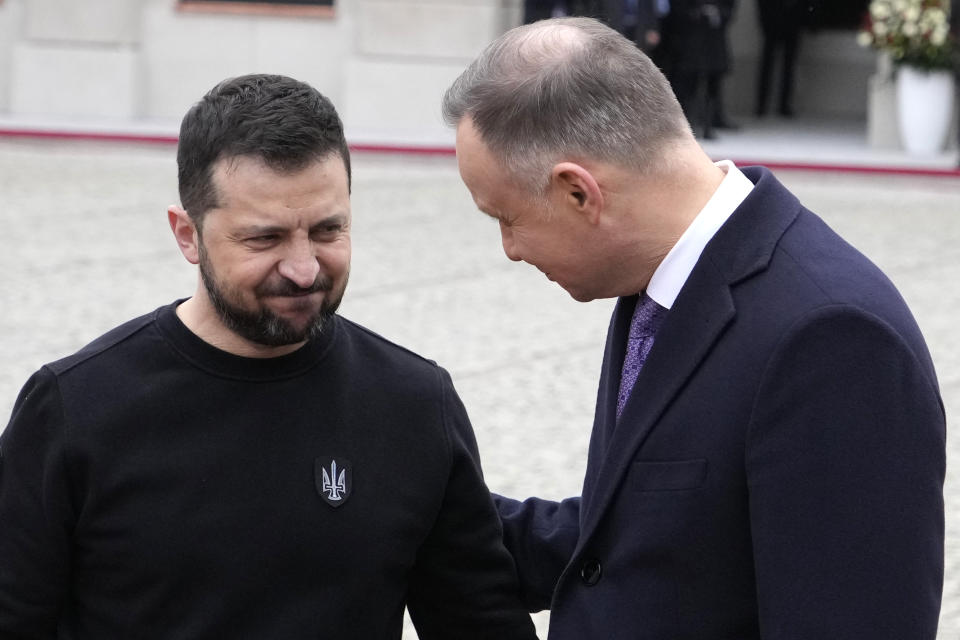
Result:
pixel 778 470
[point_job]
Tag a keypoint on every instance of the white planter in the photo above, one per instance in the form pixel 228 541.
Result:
pixel 924 108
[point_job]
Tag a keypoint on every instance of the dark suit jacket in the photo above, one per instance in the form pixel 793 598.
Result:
pixel 695 42
pixel 778 469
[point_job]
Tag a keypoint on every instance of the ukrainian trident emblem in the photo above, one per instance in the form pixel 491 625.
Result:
pixel 333 479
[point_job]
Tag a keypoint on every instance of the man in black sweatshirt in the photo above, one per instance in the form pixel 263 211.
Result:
pixel 245 463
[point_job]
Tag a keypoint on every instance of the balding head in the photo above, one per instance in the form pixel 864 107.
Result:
pixel 567 89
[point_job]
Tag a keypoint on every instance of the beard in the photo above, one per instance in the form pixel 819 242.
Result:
pixel 263 326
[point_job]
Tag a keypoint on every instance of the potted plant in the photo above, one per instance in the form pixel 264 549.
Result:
pixel 916 35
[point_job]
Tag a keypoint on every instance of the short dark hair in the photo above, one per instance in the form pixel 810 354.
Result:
pixel 567 87
pixel 284 122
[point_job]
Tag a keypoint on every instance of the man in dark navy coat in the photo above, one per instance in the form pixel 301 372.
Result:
pixel 768 452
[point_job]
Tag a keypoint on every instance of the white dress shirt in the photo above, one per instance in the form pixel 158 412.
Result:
pixel 673 272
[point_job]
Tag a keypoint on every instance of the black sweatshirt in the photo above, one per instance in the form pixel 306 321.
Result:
pixel 153 486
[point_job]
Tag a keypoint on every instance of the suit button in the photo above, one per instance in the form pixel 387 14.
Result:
pixel 590 572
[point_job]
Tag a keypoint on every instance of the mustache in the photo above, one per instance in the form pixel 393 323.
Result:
pixel 286 287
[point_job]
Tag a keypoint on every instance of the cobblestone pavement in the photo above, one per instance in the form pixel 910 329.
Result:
pixel 87 247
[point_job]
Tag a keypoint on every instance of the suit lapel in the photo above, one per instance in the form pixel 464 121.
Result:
pixel 605 414
pixel 689 331
pixel 704 308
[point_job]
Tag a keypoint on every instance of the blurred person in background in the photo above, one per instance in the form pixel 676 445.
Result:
pixel 246 463
pixel 637 20
pixel 697 57
pixel 781 22
pixel 768 451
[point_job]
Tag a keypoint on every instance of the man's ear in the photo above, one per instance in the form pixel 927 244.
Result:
pixel 578 189
pixel 185 232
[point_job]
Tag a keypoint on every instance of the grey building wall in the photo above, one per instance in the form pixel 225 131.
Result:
pixel 384 63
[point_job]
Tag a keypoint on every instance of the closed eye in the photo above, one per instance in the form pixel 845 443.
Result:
pixel 491 216
pixel 330 227
pixel 326 231
pixel 262 240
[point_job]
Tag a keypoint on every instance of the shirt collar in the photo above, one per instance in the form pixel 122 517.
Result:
pixel 676 267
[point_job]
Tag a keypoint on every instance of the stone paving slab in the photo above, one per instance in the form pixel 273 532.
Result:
pixel 87 246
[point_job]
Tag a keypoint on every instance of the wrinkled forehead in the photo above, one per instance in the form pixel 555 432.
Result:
pixel 251 183
pixel 227 165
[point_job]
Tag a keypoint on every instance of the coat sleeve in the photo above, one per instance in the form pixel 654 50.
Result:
pixel 36 513
pixel 541 535
pixel 845 466
pixel 464 583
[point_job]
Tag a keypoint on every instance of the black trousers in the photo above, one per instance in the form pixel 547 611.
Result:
pixel 699 95
pixel 786 42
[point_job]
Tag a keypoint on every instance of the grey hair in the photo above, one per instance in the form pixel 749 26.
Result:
pixel 567 88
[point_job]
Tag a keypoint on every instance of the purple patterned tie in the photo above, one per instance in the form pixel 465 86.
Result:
pixel 647 317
